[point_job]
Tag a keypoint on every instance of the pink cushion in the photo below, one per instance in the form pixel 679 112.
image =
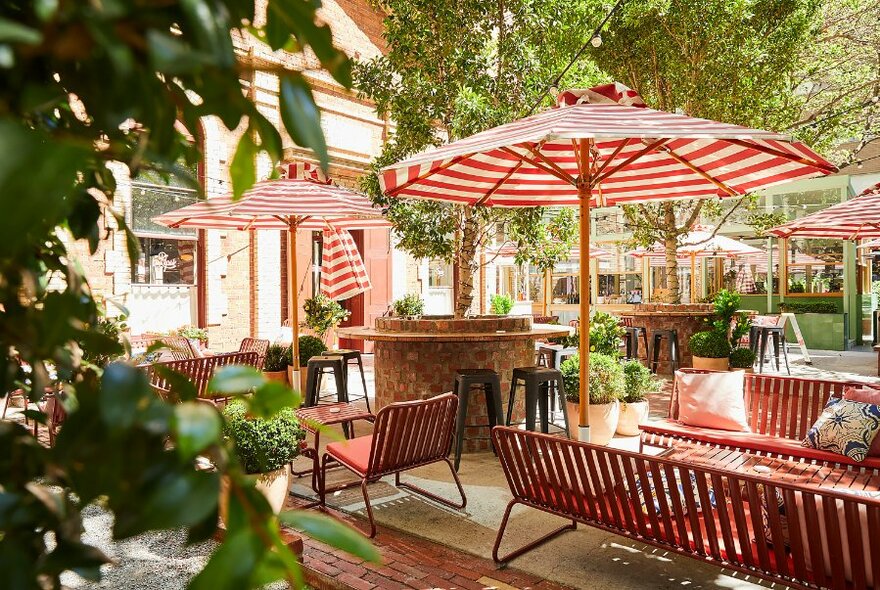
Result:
pixel 868 395
pixel 712 400
pixel 355 453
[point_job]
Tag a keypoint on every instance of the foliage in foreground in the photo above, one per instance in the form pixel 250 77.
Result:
pixel 89 89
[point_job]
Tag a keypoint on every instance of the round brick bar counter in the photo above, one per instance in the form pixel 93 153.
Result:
pixel 415 359
pixel 686 318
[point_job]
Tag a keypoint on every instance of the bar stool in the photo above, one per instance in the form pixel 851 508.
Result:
pixel 349 355
pixel 777 333
pixel 490 383
pixel 316 368
pixel 539 383
pixel 671 337
pixel 631 338
pixel 552 355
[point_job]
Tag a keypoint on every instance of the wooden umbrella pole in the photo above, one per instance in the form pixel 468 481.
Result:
pixel 292 298
pixel 583 186
pixel 693 277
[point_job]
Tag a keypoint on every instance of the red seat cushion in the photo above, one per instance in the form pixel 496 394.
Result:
pixel 752 441
pixel 354 453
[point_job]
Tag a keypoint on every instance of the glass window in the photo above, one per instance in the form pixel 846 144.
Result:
pixel 620 277
pixel 165 261
pixel 748 274
pixel 514 282
pixel 439 274
pixel 149 200
pixel 536 285
pixel 814 266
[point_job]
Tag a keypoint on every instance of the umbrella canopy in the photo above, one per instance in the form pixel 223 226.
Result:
pixel 305 199
pixel 702 243
pixel 601 147
pixel 343 274
pixel 851 220
pixel 511 250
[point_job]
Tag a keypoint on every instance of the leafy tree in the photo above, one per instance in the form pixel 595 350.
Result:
pixel 456 68
pixel 743 62
pixel 87 88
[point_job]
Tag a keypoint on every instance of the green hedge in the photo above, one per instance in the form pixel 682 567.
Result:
pixel 812 307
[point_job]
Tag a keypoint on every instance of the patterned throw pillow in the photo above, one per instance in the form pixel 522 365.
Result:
pixel 654 497
pixel 845 427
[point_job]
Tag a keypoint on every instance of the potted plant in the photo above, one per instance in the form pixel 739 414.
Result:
pixel 742 359
pixel 409 306
pixel 275 363
pixel 309 346
pixel 501 304
pixel 606 388
pixel 710 350
pixel 606 334
pixel 198 337
pixel 265 447
pixel 323 315
pixel 638 383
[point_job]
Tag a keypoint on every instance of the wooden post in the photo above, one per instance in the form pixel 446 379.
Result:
pixel 693 277
pixel 293 297
pixel 583 187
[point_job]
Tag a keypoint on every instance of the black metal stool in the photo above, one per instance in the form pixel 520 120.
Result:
pixel 349 355
pixel 316 368
pixel 631 337
pixel 540 383
pixel 657 337
pixel 465 379
pixel 777 333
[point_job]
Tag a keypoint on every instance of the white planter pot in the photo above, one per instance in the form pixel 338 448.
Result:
pixel 710 364
pixel 631 415
pixel 275 485
pixel 603 421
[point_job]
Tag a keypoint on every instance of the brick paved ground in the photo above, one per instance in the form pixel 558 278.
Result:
pixel 409 562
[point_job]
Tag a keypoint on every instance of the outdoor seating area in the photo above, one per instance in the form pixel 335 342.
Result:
pixel 403 295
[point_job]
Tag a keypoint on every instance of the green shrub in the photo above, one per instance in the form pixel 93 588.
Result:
pixel 276 357
pixel 742 358
pixel 727 319
pixel 192 333
pixel 639 381
pixel 309 346
pixel 814 307
pixel 98 353
pixel 262 445
pixel 501 304
pixel 605 334
pixel 322 313
pixel 710 344
pixel 606 378
pixel 408 306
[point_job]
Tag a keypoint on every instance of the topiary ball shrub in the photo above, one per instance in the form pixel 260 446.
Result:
pixel 501 304
pixel 742 358
pixel 276 358
pixel 606 378
pixel 639 381
pixel 262 445
pixel 712 344
pixel 309 346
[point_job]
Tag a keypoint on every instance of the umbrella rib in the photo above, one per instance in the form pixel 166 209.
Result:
pixel 774 152
pixel 498 184
pixel 533 162
pixel 698 171
pixel 536 150
pixel 617 150
pixel 649 148
pixel 395 191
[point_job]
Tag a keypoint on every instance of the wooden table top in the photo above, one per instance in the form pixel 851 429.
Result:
pixel 786 470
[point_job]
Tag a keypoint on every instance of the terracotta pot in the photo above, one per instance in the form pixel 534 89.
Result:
pixel 303 373
pixel 701 362
pixel 747 370
pixel 631 415
pixel 276 376
pixel 603 421
pixel 275 485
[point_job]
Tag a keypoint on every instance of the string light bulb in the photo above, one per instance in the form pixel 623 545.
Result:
pixel 596 41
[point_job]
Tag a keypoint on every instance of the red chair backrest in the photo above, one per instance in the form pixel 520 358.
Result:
pixel 255 345
pixel 199 370
pixel 409 434
pixel 779 405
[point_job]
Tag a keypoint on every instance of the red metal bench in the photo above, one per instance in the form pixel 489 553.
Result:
pixel 781 410
pixel 198 370
pixel 178 347
pixel 255 345
pixel 406 435
pixel 813 537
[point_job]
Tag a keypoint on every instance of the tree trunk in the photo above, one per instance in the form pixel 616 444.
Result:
pixel 467 263
pixel 670 242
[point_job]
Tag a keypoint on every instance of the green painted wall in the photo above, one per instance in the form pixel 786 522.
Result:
pixel 821 331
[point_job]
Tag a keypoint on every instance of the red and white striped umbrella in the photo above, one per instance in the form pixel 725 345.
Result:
pixel 702 244
pixel 601 147
pixel 343 274
pixel 305 199
pixel 851 220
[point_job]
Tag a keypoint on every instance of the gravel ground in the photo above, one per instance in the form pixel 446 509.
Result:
pixel 147 562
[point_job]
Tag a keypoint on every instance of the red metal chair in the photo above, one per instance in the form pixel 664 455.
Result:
pixel 405 435
pixel 255 345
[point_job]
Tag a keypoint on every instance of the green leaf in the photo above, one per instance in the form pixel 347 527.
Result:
pixel 331 531
pixel 197 426
pixel 271 397
pixel 243 169
pixel 180 498
pixel 301 116
pixel 124 389
pixel 13 32
pixel 231 564
pixel 180 384
pixel 235 379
